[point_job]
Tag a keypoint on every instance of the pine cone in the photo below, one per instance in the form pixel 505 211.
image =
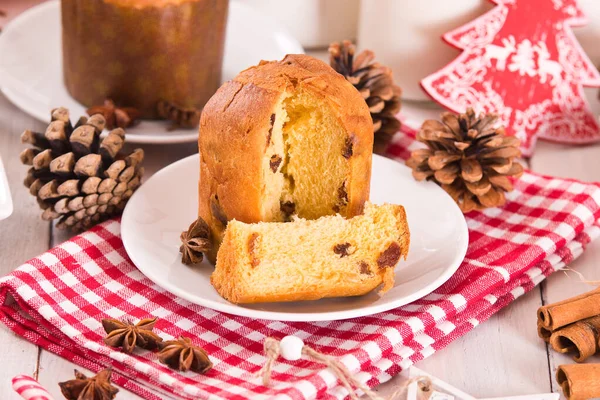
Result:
pixel 376 85
pixel 470 158
pixel 77 178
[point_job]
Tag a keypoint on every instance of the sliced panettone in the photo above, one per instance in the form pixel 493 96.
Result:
pixel 311 259
pixel 283 138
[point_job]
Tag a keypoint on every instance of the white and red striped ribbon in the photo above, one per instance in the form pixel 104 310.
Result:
pixel 29 389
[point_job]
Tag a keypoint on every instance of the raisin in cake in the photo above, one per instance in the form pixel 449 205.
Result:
pixel 308 260
pixel 283 138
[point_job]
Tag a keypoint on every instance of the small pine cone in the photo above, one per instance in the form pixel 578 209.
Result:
pixel 469 157
pixel 376 85
pixel 77 178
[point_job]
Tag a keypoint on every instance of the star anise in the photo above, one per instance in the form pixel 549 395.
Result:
pixel 183 355
pixel 116 117
pixel 128 335
pixel 95 388
pixel 194 242
pixel 181 117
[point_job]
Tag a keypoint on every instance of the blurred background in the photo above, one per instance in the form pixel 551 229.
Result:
pixel 404 34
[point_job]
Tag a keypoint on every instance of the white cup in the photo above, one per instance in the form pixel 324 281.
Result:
pixel 589 35
pixel 406 35
pixel 314 23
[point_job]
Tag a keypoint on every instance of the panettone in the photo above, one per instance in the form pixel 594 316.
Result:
pixel 309 260
pixel 283 138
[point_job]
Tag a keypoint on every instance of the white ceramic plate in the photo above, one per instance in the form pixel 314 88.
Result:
pixel 31 63
pixel 166 204
pixel 6 205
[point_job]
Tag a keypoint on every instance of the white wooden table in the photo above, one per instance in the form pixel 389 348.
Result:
pixel 501 357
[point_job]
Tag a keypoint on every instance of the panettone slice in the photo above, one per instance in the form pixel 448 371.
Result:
pixel 312 259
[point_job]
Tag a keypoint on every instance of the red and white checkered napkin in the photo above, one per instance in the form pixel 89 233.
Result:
pixel 58 299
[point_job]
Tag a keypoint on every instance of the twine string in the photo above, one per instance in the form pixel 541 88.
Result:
pixel 272 351
pixel 582 277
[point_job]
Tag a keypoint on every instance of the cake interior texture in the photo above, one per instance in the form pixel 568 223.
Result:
pixel 304 167
pixel 312 259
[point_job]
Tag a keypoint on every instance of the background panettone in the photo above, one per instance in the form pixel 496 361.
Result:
pixel 284 137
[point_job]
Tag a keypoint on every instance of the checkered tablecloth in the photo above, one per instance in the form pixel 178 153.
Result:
pixel 58 299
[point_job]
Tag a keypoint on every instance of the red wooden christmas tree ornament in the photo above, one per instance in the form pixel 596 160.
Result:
pixel 522 61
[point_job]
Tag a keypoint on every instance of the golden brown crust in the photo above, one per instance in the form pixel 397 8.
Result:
pixel 232 135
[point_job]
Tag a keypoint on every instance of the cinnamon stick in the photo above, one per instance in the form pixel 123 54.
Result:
pixel 579 381
pixel 557 315
pixel 580 337
pixel 544 333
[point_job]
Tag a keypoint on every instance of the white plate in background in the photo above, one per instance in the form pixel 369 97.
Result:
pixel 31 63
pixel 6 204
pixel 167 203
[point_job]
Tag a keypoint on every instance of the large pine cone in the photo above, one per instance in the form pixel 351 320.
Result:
pixel 469 157
pixel 376 85
pixel 76 177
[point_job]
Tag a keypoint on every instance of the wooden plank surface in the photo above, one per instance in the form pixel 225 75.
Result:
pixel 580 162
pixel 22 236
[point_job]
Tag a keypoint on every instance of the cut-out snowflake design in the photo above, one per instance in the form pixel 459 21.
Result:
pixel 522 61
